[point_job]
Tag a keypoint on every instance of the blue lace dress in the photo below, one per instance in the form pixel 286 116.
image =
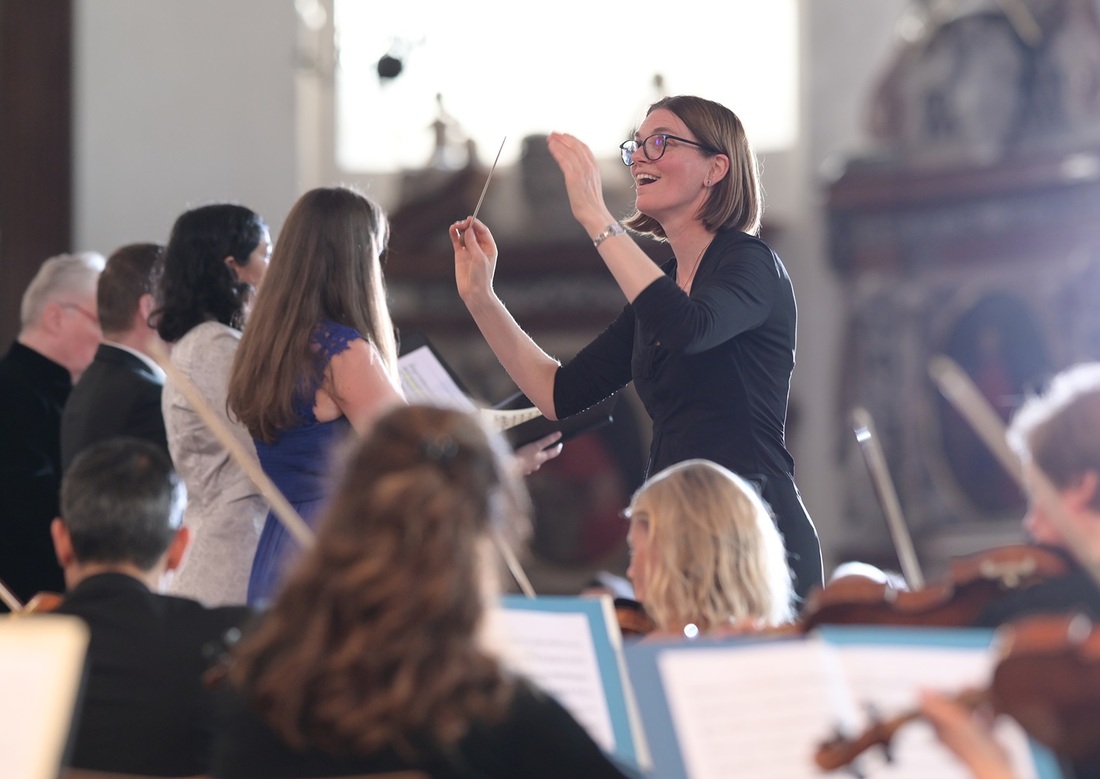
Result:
pixel 298 463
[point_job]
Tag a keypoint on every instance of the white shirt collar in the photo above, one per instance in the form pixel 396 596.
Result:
pixel 150 363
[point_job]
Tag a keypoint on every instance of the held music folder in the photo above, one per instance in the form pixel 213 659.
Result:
pixel 571 647
pixel 41 673
pixel 427 378
pixel 745 707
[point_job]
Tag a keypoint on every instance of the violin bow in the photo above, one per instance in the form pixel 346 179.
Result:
pixel 864 428
pixel 9 599
pixel 280 506
pixel 514 566
pixel 968 400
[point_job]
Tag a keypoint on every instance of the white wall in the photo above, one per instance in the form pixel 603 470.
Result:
pixel 180 103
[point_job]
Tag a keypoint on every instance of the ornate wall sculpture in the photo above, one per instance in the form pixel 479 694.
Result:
pixel 973 230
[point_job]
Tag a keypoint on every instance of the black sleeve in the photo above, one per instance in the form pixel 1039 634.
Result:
pixel 736 297
pixel 598 370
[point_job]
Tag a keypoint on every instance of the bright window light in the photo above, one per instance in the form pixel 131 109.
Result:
pixel 577 66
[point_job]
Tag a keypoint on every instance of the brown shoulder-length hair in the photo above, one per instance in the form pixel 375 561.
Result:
pixel 325 265
pixel 734 203
pixel 373 640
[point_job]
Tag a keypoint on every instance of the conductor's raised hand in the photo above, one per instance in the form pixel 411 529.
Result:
pixel 475 258
pixel 582 181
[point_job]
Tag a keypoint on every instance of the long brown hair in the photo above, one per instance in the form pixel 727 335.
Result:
pixel 325 265
pixel 372 641
pixel 734 203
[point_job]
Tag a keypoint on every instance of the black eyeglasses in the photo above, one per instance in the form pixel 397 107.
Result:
pixel 654 147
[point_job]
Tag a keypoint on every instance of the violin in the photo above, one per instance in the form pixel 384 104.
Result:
pixel 1046 677
pixel 633 620
pixel 973 582
pixel 42 602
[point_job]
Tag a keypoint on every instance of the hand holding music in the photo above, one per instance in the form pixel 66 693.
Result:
pixel 475 258
pixel 582 181
pixel 530 457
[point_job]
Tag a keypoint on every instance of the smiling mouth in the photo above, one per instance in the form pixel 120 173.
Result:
pixel 644 178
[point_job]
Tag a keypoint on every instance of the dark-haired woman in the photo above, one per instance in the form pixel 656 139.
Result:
pixel 708 338
pixel 215 259
pixel 370 658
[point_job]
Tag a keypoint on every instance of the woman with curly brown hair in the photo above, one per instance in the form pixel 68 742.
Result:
pixel 705 553
pixel 369 659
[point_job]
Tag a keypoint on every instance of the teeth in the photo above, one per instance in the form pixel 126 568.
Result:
pixel 645 177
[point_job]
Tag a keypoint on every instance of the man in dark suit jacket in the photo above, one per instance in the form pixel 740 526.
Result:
pixel 119 393
pixel 145 709
pixel 58 336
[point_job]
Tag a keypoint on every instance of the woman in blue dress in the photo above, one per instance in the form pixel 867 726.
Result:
pixel 319 357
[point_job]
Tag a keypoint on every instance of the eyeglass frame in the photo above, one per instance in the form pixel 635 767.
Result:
pixel 88 314
pixel 642 145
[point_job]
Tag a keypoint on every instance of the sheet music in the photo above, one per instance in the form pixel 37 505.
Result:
pixel 506 418
pixel 425 380
pixel 41 666
pixel 761 710
pixel 755 711
pixel 887 678
pixel 556 652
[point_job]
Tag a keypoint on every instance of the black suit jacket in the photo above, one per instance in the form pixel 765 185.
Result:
pixel 145 709
pixel 33 390
pixel 117 395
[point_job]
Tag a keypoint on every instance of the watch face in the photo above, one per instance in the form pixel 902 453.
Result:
pixel 965 91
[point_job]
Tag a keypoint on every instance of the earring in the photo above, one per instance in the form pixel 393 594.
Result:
pixel 708 182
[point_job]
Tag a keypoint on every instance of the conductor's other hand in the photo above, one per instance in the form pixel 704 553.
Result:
pixel 582 181
pixel 530 457
pixel 475 258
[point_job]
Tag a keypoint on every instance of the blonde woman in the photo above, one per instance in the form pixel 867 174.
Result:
pixel 705 552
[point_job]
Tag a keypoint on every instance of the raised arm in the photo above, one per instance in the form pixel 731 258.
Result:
pixel 631 267
pixel 530 367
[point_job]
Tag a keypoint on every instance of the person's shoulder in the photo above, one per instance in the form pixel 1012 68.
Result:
pixel 206 343
pixel 743 243
pixel 207 333
pixel 333 338
pixel 195 618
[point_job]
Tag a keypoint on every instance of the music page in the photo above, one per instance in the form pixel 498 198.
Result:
pixel 41 667
pixel 424 379
pixel 761 709
pixel 754 710
pixel 884 681
pixel 556 652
